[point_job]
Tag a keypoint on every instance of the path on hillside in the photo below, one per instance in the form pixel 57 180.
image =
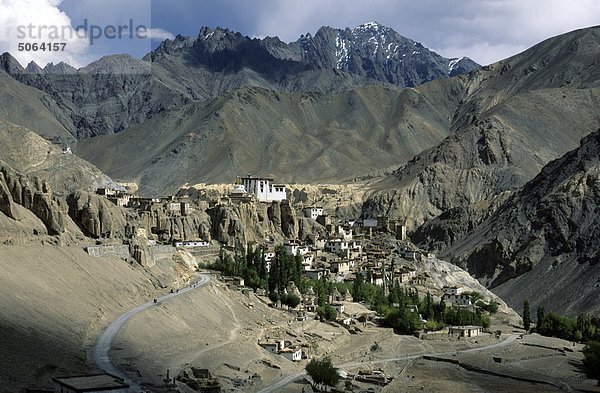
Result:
pixel 291 378
pixel 103 344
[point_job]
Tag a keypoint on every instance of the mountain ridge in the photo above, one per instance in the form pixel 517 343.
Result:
pixel 118 91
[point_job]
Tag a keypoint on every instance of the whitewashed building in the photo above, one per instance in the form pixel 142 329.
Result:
pixel 336 245
pixel 293 354
pixel 456 296
pixel 264 189
pixel 313 212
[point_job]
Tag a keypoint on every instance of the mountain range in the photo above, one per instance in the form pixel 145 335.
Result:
pixel 493 168
pixel 118 91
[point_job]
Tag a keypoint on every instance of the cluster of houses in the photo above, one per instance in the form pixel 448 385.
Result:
pixel 172 204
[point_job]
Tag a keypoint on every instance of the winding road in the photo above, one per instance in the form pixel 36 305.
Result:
pixel 103 344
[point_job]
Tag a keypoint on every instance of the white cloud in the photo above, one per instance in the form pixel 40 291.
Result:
pixel 38 20
pixel 159 34
pixel 42 21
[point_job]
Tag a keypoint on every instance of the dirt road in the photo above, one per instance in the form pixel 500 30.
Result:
pixel 103 344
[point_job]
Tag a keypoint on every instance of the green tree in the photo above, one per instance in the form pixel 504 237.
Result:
pixel 526 316
pixel 492 307
pixel 322 372
pixel 327 312
pixel 591 360
pixel 291 300
pixel 475 296
pixel 274 296
pixel 540 318
pixel 428 309
pixel 357 288
pixel 403 321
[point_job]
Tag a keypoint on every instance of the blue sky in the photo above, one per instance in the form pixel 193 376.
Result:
pixel 485 30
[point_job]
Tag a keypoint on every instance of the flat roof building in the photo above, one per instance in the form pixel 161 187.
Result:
pixel 263 188
pixel 102 382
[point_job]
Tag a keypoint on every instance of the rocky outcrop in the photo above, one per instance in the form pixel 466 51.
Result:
pixel 33 194
pixel 7 205
pixel 236 225
pixel 141 252
pixel 50 211
pixel 454 224
pixel 97 216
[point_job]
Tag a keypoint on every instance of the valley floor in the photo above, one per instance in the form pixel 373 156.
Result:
pixel 218 329
pixel 55 301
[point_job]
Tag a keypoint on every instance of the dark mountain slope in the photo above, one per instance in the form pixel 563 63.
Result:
pixel 543 244
pixel 304 137
pixel 511 122
pixel 30 108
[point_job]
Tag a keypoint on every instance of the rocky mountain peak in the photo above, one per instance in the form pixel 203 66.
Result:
pixel 9 64
pixel 60 68
pixel 33 68
pixel 378 52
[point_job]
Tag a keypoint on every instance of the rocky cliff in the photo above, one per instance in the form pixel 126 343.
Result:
pixel 542 243
pixel 34 195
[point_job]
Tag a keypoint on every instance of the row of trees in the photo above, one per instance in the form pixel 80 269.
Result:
pixel 583 328
pixel 252 267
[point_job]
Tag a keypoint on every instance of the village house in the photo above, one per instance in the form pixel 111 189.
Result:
pixel 456 296
pixel 339 231
pixel 317 242
pixel 354 251
pixel 294 247
pixel 292 354
pixel 273 346
pixel 316 274
pixel 335 245
pixel 118 197
pixel 377 278
pixel 404 275
pixel 325 219
pixel 420 279
pixel 341 265
pixel 192 243
pixel 145 204
pixel 101 382
pixel 173 207
pixel 465 331
pixel 407 253
pixel 282 347
pixel 313 212
pixel 263 188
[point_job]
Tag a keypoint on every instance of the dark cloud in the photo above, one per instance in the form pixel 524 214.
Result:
pixel 485 30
